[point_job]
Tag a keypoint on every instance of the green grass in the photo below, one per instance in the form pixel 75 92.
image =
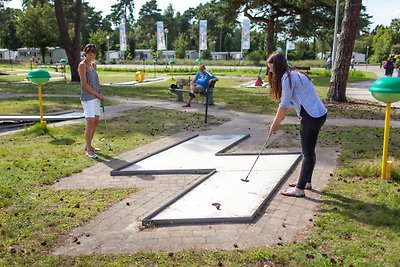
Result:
pixel 357 225
pixel 30 105
pixel 32 215
pixel 226 93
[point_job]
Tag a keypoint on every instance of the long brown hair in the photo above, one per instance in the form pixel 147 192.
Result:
pixel 275 77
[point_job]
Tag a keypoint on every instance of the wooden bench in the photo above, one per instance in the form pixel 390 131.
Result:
pixel 56 67
pixel 180 90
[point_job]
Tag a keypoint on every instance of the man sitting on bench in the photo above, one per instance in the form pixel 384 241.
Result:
pixel 200 83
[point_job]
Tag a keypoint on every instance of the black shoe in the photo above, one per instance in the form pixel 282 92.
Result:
pixel 186 106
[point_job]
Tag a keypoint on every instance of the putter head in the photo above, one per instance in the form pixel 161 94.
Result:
pixel 245 180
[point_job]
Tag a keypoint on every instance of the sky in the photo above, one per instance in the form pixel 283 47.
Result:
pixel 382 11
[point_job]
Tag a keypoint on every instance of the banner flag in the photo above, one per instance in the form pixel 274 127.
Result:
pixel 203 35
pixel 122 37
pixel 160 36
pixel 246 33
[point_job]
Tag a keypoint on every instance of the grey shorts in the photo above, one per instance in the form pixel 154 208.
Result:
pixel 199 89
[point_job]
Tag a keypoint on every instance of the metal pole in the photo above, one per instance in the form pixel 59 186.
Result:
pixel 264 145
pixel 366 59
pixel 384 174
pixel 42 122
pixel 334 46
pixel 108 49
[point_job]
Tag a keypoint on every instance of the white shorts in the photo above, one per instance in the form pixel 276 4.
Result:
pixel 91 108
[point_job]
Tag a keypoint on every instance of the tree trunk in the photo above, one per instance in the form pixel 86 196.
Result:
pixel 43 52
pixel 340 71
pixel 270 35
pixel 72 48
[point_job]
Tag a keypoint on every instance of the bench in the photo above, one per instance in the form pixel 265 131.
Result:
pixel 180 90
pixel 56 67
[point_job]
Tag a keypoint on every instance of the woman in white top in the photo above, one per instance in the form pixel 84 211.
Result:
pixel 295 90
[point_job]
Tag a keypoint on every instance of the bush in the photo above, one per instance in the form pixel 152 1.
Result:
pixel 301 55
pixel 256 57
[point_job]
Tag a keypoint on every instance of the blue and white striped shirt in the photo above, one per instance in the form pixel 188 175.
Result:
pixel 301 92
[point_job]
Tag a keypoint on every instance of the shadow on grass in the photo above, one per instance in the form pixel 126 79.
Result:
pixel 377 215
pixel 60 141
pixel 118 162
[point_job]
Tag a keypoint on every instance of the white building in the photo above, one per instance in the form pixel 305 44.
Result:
pixel 53 54
pixel 7 54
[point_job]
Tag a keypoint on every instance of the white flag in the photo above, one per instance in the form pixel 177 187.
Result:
pixel 203 35
pixel 122 37
pixel 246 33
pixel 160 36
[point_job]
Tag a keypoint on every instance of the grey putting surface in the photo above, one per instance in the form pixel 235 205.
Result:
pixel 69 115
pixel 221 196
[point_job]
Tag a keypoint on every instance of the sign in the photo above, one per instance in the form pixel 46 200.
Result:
pixel 160 36
pixel 122 37
pixel 290 45
pixel 203 35
pixel 246 33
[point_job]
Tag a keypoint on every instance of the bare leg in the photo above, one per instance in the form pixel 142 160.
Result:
pixel 192 89
pixel 96 122
pixel 89 132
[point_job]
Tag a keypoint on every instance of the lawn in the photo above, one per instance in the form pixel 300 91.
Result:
pixel 358 223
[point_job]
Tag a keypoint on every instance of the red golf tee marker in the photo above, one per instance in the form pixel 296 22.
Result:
pixel 217 205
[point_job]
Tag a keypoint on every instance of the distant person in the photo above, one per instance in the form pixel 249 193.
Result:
pixel 200 83
pixel 91 96
pixel 328 64
pixel 389 66
pixel 352 63
pixel 295 91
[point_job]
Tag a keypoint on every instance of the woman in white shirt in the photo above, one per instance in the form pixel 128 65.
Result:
pixel 295 90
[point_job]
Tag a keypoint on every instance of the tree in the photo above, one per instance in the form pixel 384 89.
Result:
pixel 149 14
pixel 340 72
pixel 8 34
pixel 121 12
pixel 180 46
pixel 269 12
pixel 99 39
pixel 72 47
pixel 35 28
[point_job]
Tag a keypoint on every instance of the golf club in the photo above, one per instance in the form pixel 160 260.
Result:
pixel 105 124
pixel 264 145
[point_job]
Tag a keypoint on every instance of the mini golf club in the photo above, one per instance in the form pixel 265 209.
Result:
pixel 264 145
pixel 105 123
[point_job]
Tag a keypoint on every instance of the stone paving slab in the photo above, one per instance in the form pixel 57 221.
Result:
pixel 118 229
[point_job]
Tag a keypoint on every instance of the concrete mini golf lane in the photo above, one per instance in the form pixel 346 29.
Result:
pixel 220 196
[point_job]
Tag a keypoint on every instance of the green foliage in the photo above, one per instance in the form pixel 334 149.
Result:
pixel 8 35
pixel 180 46
pixel 384 39
pixel 99 38
pixel 396 49
pixel 301 55
pixel 256 57
pixel 35 27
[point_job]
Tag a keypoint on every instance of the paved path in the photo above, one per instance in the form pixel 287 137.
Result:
pixel 118 230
